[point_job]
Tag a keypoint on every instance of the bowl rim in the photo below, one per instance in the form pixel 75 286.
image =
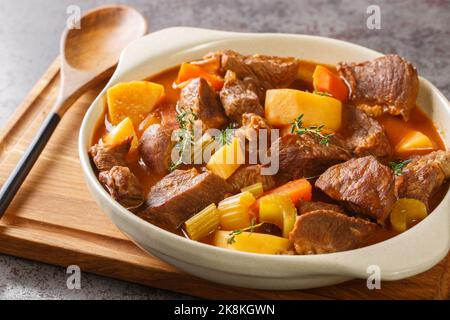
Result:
pixel 318 261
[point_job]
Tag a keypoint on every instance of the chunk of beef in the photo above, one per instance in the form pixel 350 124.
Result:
pixel 106 156
pixel 238 97
pixel 367 135
pixel 197 96
pixel 248 175
pixel 388 84
pixel 155 147
pixel 364 185
pixel 255 122
pixel 327 231
pixel 123 186
pixel 304 156
pixel 308 206
pixel 269 71
pixel 181 194
pixel 423 176
pixel 251 126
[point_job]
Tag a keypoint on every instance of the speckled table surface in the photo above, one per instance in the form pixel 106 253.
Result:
pixel 29 33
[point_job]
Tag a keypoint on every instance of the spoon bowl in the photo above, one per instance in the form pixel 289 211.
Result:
pixel 103 34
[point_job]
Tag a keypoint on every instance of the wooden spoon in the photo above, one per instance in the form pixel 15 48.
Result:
pixel 88 55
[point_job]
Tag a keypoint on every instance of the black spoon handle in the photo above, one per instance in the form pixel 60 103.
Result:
pixel 20 172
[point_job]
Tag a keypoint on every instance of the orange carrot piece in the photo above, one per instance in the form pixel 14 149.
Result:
pixel 326 81
pixel 299 189
pixel 189 71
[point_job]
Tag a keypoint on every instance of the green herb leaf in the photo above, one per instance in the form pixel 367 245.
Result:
pixel 184 134
pixel 298 128
pixel 397 166
pixel 231 239
pixel 320 93
pixel 226 135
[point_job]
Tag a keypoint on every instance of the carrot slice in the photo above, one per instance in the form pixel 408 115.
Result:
pixel 326 81
pixel 299 189
pixel 189 71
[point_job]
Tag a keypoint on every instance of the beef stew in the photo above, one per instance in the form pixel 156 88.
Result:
pixel 309 158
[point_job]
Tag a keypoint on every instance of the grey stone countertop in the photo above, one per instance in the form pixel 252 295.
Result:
pixel 29 33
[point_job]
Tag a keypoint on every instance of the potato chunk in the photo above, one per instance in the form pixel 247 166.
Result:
pixel 284 105
pixel 133 99
pixel 122 131
pixel 413 142
pixel 227 159
pixel 252 242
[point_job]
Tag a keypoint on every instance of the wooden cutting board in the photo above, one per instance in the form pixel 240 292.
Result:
pixel 54 219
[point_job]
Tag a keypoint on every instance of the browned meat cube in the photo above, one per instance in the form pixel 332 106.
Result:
pixel 269 71
pixel 364 185
pixel 304 156
pixel 201 99
pixel 123 186
pixel 181 194
pixel 367 135
pixel 248 175
pixel 105 156
pixel 254 121
pixel 308 206
pixel 423 176
pixel 388 84
pixel 251 126
pixel 155 147
pixel 327 231
pixel 238 97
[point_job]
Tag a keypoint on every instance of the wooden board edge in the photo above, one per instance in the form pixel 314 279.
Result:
pixel 178 281
pixel 443 285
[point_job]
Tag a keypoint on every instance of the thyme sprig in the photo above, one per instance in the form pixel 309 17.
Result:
pixel 298 128
pixel 226 135
pixel 231 239
pixel 397 166
pixel 321 93
pixel 184 134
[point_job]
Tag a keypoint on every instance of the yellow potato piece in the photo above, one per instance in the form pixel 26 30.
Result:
pixel 284 105
pixel 252 242
pixel 278 210
pixel 133 99
pixel 405 212
pixel 227 159
pixel 413 142
pixel 122 131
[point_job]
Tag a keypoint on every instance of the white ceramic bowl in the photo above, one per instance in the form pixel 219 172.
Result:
pixel 403 256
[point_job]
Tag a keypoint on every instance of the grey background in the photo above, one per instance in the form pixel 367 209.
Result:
pixel 29 34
